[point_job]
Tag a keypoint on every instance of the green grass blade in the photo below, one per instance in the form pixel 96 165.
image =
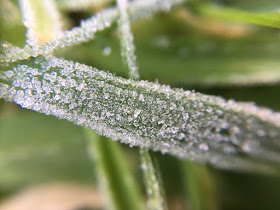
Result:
pixel 270 19
pixel 115 181
pixel 199 186
pixel 81 4
pixel 140 113
pixel 152 181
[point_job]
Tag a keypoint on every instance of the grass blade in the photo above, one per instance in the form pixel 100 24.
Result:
pixel 270 19
pixel 152 181
pixel 80 5
pixel 126 40
pixel 200 187
pixel 115 181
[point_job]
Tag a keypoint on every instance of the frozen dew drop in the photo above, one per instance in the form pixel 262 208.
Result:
pixel 106 51
pixel 57 97
pixel 261 133
pixel 203 147
pixel 106 95
pixel 137 112
pixel 141 97
pixel 181 136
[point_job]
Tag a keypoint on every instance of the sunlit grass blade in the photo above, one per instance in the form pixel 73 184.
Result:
pixel 113 177
pixel 270 19
pixel 41 19
pixel 140 113
pixel 103 19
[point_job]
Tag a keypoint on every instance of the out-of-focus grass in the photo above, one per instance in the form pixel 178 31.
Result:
pixel 35 148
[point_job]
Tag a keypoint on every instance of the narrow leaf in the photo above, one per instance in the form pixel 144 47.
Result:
pixel 182 123
pixel 126 40
pixel 81 4
pixel 114 179
pixel 152 180
pixel 271 19
pixel 199 186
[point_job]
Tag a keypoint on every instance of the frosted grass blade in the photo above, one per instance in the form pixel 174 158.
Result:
pixel 126 40
pixel 182 123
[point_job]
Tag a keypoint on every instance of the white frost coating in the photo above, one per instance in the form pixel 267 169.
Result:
pixel 36 29
pixel 126 40
pixel 104 19
pixel 140 113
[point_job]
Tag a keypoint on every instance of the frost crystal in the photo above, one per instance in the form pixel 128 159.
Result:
pixel 182 123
